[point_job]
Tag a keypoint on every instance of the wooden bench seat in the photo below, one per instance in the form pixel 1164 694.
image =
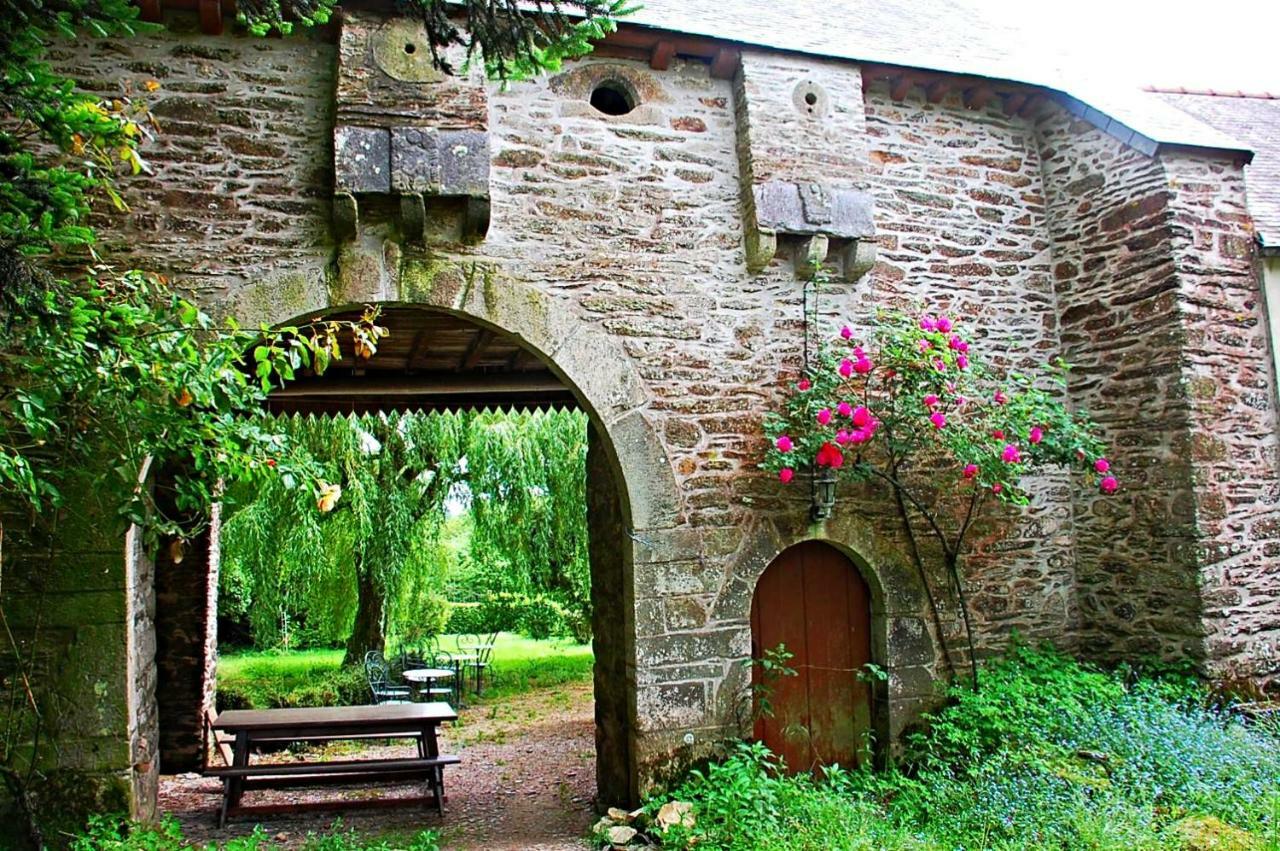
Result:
pixel 349 766
pixel 233 735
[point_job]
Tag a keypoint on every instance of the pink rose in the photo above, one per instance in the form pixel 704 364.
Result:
pixel 861 417
pixel 958 344
pixel 962 361
pixel 1102 465
pixel 1037 434
pixel 1000 398
pixel 943 325
pixel 928 323
pixel 930 400
pixel 844 409
pixel 783 443
pixel 786 474
pixel 970 470
pixel 804 384
pixel 846 367
pixel 824 416
pixel 997 487
pixel 862 366
pixel 939 364
pixel 846 332
pixel 924 345
pixel 1011 454
pixel 998 434
pixel 1108 484
pixel 937 419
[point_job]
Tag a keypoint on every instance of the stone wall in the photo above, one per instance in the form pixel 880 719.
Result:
pixel 79 613
pixel 616 249
pixel 1119 315
pixel 1230 392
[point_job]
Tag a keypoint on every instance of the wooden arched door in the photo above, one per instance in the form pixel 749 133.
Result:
pixel 813 600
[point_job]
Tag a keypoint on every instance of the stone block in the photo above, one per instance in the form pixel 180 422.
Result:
pixel 671 705
pixel 428 161
pixel 362 159
pixel 811 208
pixel 909 642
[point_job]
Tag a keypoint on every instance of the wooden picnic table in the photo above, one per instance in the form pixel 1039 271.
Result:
pixel 249 727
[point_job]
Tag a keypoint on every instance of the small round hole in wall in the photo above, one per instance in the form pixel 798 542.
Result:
pixel 612 98
pixel 811 100
pixel 410 48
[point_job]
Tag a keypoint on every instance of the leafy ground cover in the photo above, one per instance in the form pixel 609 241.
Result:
pixel 269 679
pixel 1051 754
pixel 109 833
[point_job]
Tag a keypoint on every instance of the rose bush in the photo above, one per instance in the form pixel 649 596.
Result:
pixel 916 408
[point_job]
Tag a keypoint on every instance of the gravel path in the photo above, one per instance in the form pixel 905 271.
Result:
pixel 526 782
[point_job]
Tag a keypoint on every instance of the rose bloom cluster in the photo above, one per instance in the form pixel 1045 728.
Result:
pixel 839 428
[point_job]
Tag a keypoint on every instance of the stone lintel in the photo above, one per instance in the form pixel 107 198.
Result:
pixel 361 159
pixel 812 208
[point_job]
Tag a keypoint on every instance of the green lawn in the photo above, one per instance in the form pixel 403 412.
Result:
pixel 263 679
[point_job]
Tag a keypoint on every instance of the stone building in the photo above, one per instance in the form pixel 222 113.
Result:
pixel 630 235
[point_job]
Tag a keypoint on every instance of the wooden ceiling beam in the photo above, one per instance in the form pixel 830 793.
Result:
pixel 901 86
pixel 724 64
pixel 938 90
pixel 1032 105
pixel 978 96
pixel 664 50
pixel 420 386
pixel 1013 102
pixel 418 347
pixel 475 350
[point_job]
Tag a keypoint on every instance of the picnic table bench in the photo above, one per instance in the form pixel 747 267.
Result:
pixel 236 732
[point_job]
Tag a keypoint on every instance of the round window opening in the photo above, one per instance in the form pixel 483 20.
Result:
pixel 612 98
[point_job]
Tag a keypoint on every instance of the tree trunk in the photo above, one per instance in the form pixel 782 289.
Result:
pixel 366 635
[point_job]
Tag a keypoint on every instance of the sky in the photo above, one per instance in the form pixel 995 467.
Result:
pixel 1231 45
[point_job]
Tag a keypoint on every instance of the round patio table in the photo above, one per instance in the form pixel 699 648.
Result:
pixel 426 678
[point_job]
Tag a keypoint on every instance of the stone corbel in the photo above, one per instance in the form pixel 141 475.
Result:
pixel 810 252
pixel 761 246
pixel 813 215
pixel 857 258
pixel 346 216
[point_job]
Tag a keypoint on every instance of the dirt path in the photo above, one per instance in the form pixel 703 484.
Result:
pixel 526 782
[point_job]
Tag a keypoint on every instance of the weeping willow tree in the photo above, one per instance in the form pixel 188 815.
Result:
pixel 366 557
pixel 526 477
pixel 367 538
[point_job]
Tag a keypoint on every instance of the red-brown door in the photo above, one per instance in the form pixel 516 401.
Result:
pixel 813 600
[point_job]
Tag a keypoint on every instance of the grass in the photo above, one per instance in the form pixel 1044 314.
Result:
pixel 265 679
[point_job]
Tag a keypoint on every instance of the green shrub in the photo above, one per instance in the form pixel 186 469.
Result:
pixel 116 833
pixel 537 616
pixel 1050 754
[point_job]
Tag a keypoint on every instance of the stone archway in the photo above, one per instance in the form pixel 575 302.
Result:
pixel 630 481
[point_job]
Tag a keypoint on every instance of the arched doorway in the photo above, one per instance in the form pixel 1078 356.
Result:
pixel 812 600
pixel 432 360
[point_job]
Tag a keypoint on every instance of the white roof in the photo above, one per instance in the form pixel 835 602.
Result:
pixel 955 36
